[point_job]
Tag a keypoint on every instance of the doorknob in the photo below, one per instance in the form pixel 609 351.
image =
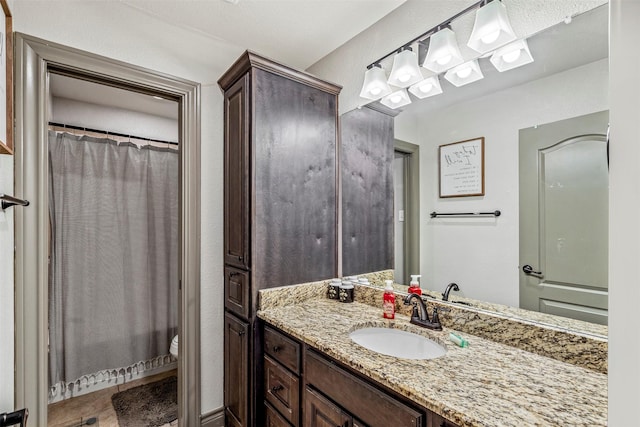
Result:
pixel 529 270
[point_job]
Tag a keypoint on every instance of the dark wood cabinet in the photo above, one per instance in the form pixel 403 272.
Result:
pixel 367 186
pixel 321 392
pixel 280 210
pixel 236 174
pixel 320 412
pixel 236 380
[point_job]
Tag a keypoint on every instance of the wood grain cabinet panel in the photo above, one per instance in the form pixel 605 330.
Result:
pixel 320 412
pixel 236 292
pixel 272 418
pixel 371 405
pixel 280 208
pixel 283 349
pixel 236 372
pixel 236 175
pixel 282 390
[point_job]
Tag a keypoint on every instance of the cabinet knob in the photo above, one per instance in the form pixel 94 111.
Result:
pixel 276 348
pixel 240 258
pixel 233 273
pixel 240 333
pixel 276 388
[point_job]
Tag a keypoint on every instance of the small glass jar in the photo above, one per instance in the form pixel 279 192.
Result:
pixel 334 289
pixel 346 291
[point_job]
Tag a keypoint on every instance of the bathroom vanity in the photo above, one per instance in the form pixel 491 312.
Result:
pixel 316 375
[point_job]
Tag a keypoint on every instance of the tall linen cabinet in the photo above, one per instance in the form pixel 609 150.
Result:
pixel 280 206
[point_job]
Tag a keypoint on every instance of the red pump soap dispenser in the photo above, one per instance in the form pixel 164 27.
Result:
pixel 388 301
pixel 414 286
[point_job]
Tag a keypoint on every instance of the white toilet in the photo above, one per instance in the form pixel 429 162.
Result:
pixel 173 348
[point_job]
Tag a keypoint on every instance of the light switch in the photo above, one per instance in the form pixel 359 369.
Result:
pixel 401 215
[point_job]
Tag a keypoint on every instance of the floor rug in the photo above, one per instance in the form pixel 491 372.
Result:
pixel 148 405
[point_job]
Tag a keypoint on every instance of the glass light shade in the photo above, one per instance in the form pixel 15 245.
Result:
pixel 491 28
pixel 443 51
pixel 405 70
pixel 397 99
pixel 375 84
pixel 512 56
pixel 427 87
pixel 466 73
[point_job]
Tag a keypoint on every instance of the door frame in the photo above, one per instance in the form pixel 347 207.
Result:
pixel 33 58
pixel 412 205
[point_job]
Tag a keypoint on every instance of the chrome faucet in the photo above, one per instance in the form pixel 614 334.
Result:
pixel 450 286
pixel 420 316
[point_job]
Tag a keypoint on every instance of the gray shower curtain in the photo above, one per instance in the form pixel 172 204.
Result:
pixel 113 281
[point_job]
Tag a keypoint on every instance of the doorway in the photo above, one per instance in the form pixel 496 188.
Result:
pixel 35 59
pixel 406 175
pixel 564 199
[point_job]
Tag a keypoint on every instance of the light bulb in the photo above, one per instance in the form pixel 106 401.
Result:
pixel 404 77
pixel 395 99
pixel 426 88
pixel 465 72
pixel 490 37
pixel 444 60
pixel 375 91
pixel 512 56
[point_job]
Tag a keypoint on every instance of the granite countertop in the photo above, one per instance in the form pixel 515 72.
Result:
pixel 485 384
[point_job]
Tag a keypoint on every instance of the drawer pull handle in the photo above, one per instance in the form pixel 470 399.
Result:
pixel 233 274
pixel 276 348
pixel 240 333
pixel 276 388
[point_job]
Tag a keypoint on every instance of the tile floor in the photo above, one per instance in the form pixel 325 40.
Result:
pixel 72 412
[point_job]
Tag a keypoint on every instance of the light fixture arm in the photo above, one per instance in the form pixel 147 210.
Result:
pixel 433 30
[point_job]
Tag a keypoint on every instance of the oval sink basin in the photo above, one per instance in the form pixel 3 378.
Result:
pixel 397 343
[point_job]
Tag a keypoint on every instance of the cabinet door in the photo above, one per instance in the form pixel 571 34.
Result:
pixel 438 421
pixel 320 412
pixel 237 190
pixel 237 292
pixel 236 371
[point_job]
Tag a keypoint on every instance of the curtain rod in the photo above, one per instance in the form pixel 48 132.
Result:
pixel 106 132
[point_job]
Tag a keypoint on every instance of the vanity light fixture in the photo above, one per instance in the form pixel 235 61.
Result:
pixel 397 99
pixel 464 74
pixel 512 56
pixel 405 70
pixel 491 28
pixel 375 84
pixel 443 51
pixel 426 88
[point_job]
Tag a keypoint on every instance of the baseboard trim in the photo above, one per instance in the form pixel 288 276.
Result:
pixel 214 418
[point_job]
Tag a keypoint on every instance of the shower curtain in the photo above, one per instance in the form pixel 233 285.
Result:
pixel 113 275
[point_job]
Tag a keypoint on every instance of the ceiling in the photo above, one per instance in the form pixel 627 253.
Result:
pixel 296 32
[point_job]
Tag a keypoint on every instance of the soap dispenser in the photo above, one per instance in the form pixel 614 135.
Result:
pixel 414 285
pixel 388 301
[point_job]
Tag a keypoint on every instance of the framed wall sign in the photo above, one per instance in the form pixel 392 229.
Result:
pixel 461 166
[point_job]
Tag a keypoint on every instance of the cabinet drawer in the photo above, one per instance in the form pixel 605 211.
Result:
pixel 272 418
pixel 282 390
pixel 362 400
pixel 282 348
pixel 236 291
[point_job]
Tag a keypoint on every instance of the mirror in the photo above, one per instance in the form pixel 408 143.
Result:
pixel 568 78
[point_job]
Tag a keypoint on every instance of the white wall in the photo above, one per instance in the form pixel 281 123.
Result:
pixel 119 32
pixel 76 113
pixel 481 254
pixel 624 204
pixel 6 287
